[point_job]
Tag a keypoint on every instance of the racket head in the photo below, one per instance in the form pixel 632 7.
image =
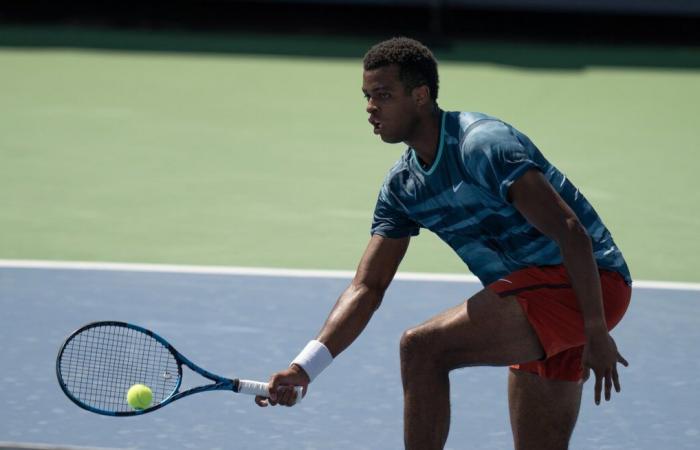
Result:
pixel 99 362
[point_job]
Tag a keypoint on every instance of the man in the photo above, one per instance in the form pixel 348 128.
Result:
pixel 555 282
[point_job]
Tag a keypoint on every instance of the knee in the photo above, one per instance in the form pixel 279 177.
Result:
pixel 415 347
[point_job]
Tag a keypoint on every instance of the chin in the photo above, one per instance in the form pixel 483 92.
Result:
pixel 390 139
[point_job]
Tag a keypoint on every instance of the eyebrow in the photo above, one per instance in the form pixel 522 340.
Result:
pixel 376 88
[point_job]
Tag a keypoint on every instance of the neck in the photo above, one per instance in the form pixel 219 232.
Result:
pixel 427 136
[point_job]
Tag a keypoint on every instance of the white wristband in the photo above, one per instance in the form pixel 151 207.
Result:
pixel 314 358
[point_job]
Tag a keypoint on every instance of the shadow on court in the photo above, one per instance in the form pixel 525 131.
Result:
pixel 249 326
pixel 522 54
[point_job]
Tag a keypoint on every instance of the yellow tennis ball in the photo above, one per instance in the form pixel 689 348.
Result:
pixel 139 396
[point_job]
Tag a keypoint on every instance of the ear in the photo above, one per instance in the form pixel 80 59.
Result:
pixel 421 95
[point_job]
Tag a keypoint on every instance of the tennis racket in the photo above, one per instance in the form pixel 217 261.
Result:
pixel 99 362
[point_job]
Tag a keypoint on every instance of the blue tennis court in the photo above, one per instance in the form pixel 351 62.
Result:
pixel 249 326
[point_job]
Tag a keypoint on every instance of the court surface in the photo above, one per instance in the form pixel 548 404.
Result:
pixel 250 326
pixel 254 150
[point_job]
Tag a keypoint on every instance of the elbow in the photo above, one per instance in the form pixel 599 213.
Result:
pixel 372 294
pixel 574 235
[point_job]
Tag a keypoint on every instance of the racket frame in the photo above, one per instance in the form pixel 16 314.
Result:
pixel 220 383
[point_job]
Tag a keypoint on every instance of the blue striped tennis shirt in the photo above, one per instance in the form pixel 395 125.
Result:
pixel 462 198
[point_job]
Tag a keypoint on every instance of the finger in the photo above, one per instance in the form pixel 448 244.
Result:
pixel 261 401
pixel 294 395
pixel 608 385
pixel 273 386
pixel 622 360
pixel 597 388
pixel 285 396
pixel 586 374
pixel 291 396
pixel 616 379
pixel 279 394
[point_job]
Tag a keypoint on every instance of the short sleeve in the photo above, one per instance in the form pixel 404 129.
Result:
pixel 495 158
pixel 390 219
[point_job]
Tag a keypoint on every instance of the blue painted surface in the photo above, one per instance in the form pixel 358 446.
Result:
pixel 251 326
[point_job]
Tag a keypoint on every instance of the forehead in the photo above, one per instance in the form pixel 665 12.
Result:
pixel 385 77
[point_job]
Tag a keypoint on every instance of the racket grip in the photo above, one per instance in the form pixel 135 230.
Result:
pixel 251 387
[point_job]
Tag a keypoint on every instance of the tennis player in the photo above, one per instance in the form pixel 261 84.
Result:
pixel 554 280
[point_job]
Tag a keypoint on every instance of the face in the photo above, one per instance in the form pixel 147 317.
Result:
pixel 393 113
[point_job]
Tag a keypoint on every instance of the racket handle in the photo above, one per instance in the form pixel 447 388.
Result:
pixel 251 387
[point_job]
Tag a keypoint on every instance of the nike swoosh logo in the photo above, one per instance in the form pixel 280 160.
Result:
pixel 456 187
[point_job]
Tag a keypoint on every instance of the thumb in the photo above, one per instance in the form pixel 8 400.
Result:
pixel 622 360
pixel 586 373
pixel 273 386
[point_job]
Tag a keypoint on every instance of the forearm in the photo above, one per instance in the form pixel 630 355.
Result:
pixel 349 316
pixel 355 306
pixel 577 255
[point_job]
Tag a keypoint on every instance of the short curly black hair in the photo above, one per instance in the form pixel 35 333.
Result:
pixel 417 65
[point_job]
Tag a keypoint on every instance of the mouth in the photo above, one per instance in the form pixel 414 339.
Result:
pixel 376 124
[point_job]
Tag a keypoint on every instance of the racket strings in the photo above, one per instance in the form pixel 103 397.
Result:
pixel 100 364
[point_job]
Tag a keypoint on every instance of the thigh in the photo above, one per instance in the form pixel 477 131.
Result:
pixel 549 301
pixel 488 330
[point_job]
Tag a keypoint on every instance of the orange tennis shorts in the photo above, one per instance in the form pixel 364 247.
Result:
pixel 548 299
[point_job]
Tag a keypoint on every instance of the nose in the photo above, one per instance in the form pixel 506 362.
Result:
pixel 371 107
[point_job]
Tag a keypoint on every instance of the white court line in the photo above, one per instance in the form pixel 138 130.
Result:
pixel 28 446
pixel 272 272
pixel 221 270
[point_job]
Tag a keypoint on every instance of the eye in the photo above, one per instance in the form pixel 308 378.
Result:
pixel 384 95
pixel 365 95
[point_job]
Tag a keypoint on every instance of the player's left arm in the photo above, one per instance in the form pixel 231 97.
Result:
pixel 535 198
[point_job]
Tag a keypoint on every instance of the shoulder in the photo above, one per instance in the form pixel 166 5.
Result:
pixel 479 132
pixel 400 171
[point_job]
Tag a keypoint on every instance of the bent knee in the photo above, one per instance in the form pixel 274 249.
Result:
pixel 414 342
pixel 420 349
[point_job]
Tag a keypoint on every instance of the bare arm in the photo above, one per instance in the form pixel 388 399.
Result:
pixel 352 311
pixel 542 206
pixel 363 296
pixel 535 198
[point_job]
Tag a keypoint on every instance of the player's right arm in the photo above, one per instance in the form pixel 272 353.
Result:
pixel 351 313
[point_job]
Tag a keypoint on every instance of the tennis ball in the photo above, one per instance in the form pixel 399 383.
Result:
pixel 139 396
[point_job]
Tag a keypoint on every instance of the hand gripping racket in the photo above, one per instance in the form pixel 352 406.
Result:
pixel 99 362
